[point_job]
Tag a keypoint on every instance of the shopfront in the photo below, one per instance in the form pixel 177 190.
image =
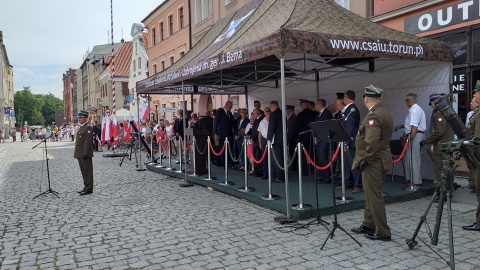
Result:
pixel 454 22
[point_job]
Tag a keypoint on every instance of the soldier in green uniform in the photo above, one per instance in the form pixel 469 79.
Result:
pixel 474 128
pixel 441 132
pixel 373 158
pixel 84 152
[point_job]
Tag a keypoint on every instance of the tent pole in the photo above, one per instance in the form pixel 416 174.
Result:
pixel 184 123
pixel 284 137
pixel 317 84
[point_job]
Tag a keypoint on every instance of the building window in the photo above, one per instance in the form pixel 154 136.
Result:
pixel 202 10
pixel 170 25
pixel 228 2
pixel 161 31
pixel 172 60
pixel 154 68
pixel 139 63
pixel 164 105
pixel 154 36
pixel 134 65
pixel 173 106
pixel 125 90
pixel 476 46
pixel 344 3
pixel 182 53
pixel 162 65
pixel 180 17
pixel 136 49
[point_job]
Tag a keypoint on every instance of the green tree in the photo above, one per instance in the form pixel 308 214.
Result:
pixel 50 105
pixel 28 107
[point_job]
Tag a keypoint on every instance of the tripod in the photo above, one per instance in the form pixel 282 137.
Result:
pixel 318 219
pixel 49 190
pixel 444 189
pixel 332 131
pixel 130 148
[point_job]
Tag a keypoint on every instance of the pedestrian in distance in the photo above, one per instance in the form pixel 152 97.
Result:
pixel 84 153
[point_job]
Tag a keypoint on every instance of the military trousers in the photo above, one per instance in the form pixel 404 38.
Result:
pixel 476 177
pixel 86 167
pixel 375 216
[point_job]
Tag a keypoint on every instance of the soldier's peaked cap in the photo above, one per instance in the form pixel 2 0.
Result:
pixel 303 100
pixel 373 92
pixel 340 95
pixel 477 86
pixel 290 107
pixel 82 114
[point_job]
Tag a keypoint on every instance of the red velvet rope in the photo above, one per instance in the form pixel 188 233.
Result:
pixel 326 166
pixel 190 145
pixel 402 154
pixel 215 153
pixel 249 153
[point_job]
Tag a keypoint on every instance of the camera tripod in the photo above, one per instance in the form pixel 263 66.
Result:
pixel 444 190
pixel 128 152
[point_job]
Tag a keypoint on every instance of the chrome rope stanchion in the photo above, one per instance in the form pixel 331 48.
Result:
pixel 246 188
pixel 193 158
pixel 151 149
pixel 161 155
pixel 269 196
pixel 209 161
pixel 410 148
pixel 179 153
pixel 300 206
pixel 169 149
pixel 343 199
pixel 226 183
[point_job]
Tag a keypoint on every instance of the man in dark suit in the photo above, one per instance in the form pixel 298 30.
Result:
pixel 257 105
pixel 321 146
pixel 275 135
pixel 96 134
pixel 351 122
pixel 178 129
pixel 84 152
pixel 305 117
pixel 292 135
pixel 223 126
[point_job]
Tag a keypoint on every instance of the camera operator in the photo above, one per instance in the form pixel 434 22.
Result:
pixel 474 128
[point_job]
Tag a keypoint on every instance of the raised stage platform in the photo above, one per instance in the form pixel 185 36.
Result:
pixel 393 190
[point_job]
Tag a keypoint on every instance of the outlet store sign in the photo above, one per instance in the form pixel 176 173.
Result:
pixel 447 16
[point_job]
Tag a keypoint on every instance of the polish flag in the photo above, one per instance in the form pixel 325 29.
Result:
pixel 144 111
pixel 125 130
pixel 108 135
pixel 103 129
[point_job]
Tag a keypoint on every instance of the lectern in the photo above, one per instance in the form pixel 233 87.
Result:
pixel 201 143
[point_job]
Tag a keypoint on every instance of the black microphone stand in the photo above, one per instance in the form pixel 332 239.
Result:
pixel 49 190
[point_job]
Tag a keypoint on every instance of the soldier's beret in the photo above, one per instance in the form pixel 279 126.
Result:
pixel 373 92
pixel 82 114
pixel 434 97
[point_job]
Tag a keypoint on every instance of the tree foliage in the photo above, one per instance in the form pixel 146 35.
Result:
pixel 36 109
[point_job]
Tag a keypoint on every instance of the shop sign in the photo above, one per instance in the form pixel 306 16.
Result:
pixel 446 16
pixel 459 81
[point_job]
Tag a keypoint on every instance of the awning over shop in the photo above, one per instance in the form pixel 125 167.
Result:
pixel 314 37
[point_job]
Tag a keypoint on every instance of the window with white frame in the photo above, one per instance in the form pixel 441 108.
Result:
pixel 202 10
pixel 343 3
pixel 139 63
pixel 228 2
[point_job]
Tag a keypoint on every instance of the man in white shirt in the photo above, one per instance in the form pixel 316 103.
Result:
pixel 473 108
pixel 262 139
pixel 415 125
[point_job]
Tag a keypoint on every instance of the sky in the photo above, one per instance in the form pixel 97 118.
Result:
pixel 44 38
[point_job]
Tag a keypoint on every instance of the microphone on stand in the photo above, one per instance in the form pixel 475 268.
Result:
pixel 351 111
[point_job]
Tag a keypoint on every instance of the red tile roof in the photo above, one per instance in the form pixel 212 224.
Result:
pixel 123 57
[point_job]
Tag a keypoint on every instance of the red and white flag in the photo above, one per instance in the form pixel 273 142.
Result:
pixel 108 134
pixel 103 129
pixel 115 129
pixel 144 111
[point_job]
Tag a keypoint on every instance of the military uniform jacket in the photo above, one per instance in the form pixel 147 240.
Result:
pixel 474 124
pixel 441 132
pixel 84 142
pixel 373 138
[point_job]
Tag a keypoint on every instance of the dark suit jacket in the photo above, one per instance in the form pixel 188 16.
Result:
pixel 224 123
pixel 275 130
pixel 304 118
pixel 205 123
pixel 178 126
pixel 254 133
pixel 291 134
pixel 351 123
pixel 325 115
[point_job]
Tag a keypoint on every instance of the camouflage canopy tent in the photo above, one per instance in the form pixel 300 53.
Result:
pixel 290 49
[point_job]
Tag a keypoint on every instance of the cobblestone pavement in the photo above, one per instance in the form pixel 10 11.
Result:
pixel 169 227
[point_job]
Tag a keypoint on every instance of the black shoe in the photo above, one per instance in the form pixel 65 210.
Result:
pixel 364 230
pixel 85 193
pixel 265 176
pixel 278 181
pixel 81 191
pixel 474 227
pixel 378 237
